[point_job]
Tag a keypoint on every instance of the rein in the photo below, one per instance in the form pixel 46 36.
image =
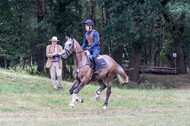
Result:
pixel 74 53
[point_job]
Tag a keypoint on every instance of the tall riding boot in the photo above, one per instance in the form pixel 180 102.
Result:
pixel 96 72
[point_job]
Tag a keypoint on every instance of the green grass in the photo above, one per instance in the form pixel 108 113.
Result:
pixel 27 100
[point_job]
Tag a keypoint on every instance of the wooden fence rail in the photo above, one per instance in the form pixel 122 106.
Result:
pixel 156 70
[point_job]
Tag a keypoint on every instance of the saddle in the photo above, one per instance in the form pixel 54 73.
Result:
pixel 101 62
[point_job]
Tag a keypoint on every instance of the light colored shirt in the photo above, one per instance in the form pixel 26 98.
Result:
pixel 56 57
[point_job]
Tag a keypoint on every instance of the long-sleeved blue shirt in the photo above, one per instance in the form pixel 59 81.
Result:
pixel 95 35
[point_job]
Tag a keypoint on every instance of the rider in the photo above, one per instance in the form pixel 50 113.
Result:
pixel 92 39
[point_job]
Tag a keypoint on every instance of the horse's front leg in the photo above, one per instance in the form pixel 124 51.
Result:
pixel 75 85
pixel 102 87
pixel 74 95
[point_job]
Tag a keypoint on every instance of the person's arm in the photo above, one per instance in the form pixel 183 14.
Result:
pixel 96 36
pixel 84 43
pixel 60 50
pixel 48 52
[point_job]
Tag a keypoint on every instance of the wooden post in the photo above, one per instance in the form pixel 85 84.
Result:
pixel 175 55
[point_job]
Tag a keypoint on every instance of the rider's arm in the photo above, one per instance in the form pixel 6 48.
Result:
pixel 84 43
pixel 96 36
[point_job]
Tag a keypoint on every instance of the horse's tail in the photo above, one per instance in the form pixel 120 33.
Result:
pixel 121 75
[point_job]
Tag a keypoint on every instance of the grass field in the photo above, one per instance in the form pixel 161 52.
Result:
pixel 27 100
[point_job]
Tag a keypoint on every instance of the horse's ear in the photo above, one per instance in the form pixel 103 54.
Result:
pixel 67 38
pixel 71 37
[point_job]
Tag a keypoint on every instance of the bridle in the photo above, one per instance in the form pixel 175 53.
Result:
pixel 73 46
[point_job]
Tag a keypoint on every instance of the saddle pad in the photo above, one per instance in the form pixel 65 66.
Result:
pixel 101 61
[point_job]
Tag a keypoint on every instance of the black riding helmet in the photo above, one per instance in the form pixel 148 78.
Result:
pixel 89 22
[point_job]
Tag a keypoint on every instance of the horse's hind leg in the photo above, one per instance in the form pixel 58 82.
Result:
pixel 110 79
pixel 102 87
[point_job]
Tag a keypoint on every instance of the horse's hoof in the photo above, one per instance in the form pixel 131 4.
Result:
pixel 71 105
pixel 98 98
pixel 104 109
pixel 80 100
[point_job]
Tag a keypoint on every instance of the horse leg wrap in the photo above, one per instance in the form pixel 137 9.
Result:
pixel 98 92
pixel 97 95
pixel 74 97
pixel 104 108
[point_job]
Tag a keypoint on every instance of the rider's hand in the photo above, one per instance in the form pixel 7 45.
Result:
pixel 88 48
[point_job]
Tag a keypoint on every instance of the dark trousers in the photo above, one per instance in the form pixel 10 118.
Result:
pixel 95 52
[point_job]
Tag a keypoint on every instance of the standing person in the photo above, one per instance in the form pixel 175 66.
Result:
pixel 92 39
pixel 54 62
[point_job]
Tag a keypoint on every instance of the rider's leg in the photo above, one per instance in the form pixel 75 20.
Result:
pixel 95 54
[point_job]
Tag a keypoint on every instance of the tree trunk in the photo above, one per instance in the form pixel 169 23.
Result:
pixel 103 19
pixel 162 36
pixel 80 20
pixel 87 10
pixel 93 10
pixel 177 36
pixel 159 46
pixel 134 63
pixel 177 41
pixel 41 11
pixel 157 57
pixel 117 54
pixel 104 46
pixel 180 57
pixel 145 55
pixel 152 43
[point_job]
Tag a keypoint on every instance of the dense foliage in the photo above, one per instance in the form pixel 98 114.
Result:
pixel 145 32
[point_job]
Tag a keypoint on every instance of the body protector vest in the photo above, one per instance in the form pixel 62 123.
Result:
pixel 90 38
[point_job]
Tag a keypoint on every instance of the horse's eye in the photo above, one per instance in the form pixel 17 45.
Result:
pixel 69 45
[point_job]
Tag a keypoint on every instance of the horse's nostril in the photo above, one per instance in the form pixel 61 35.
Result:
pixel 64 54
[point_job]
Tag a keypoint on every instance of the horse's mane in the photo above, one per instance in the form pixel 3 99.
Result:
pixel 75 41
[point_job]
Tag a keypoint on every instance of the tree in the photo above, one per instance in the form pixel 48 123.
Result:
pixel 176 18
pixel 16 34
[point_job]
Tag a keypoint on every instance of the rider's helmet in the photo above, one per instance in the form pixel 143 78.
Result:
pixel 89 22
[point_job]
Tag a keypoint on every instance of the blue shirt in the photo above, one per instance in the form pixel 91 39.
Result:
pixel 95 35
pixel 56 58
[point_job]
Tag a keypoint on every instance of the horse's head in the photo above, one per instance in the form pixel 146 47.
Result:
pixel 69 47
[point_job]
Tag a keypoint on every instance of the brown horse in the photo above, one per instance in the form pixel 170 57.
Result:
pixel 83 73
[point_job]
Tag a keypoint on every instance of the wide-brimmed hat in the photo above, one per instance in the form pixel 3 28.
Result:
pixel 54 38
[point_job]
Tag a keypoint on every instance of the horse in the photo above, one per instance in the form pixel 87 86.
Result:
pixel 83 73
